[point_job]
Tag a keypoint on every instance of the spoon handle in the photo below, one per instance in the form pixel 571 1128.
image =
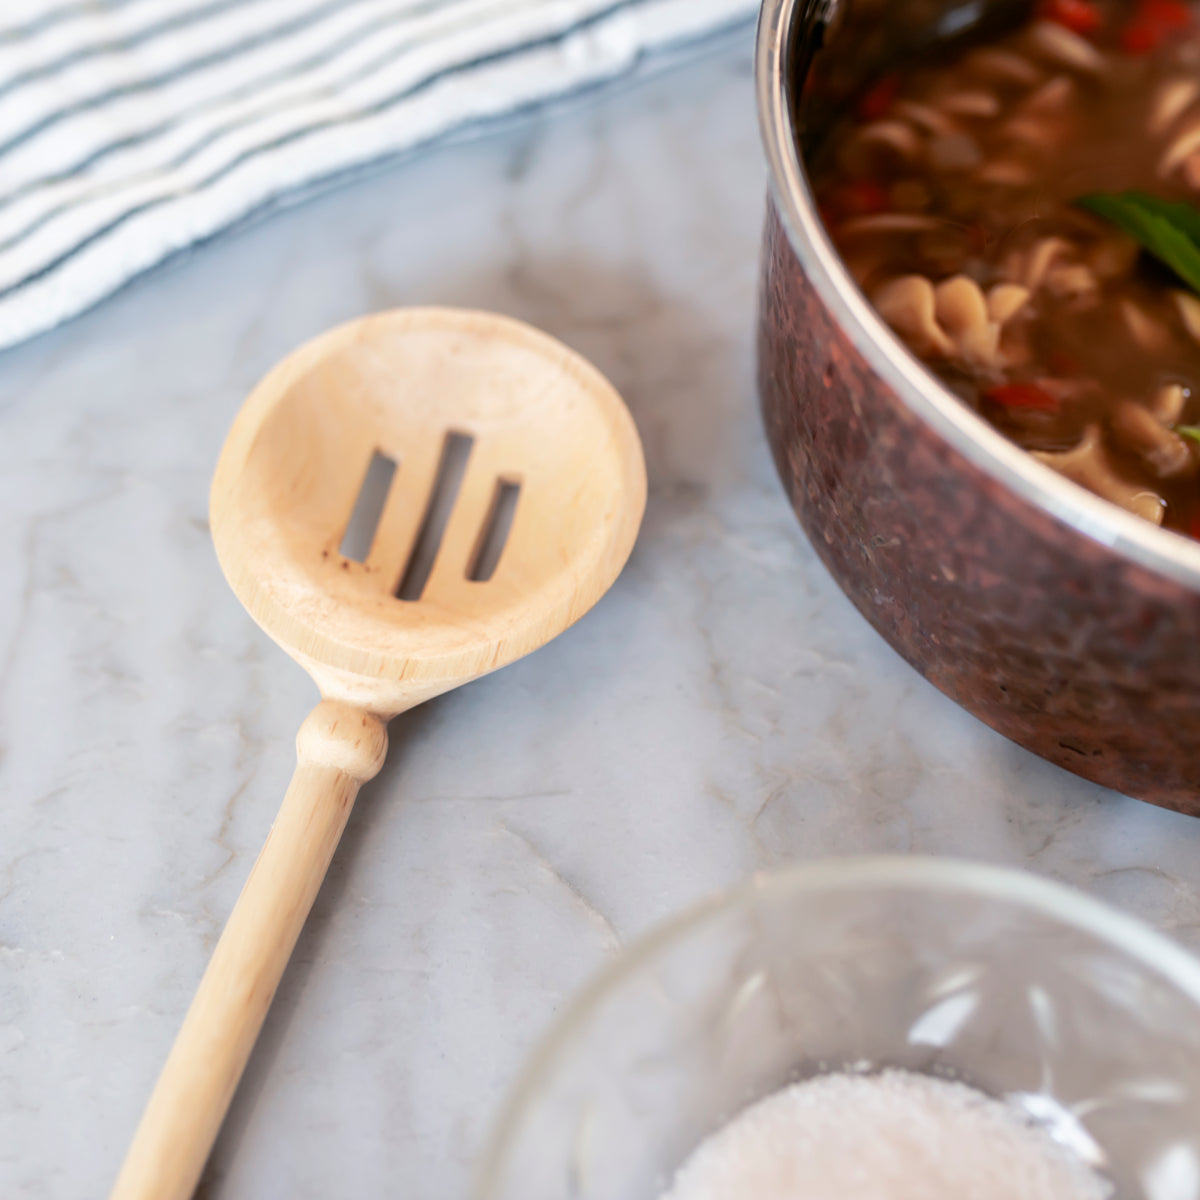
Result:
pixel 338 748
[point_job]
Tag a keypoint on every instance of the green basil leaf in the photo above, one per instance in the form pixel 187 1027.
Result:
pixel 1189 431
pixel 1183 216
pixel 1157 226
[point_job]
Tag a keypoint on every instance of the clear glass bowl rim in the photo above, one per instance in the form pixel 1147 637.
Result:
pixel 913 873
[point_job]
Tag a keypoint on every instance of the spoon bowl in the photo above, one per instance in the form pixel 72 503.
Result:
pixel 399 384
pixel 513 490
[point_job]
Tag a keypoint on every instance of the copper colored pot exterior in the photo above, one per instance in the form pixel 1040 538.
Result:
pixel 1054 639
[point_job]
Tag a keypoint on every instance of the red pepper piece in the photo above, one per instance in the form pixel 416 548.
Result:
pixel 1062 363
pixel 978 239
pixel 1021 395
pixel 1152 23
pixel 862 197
pixel 1140 37
pixel 1079 16
pixel 877 103
pixel 1165 14
pixel 858 198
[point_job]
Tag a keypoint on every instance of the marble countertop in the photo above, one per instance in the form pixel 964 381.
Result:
pixel 724 709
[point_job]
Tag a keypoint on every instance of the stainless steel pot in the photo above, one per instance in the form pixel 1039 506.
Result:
pixel 1062 621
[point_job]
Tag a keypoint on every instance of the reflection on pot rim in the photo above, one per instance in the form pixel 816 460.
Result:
pixel 921 392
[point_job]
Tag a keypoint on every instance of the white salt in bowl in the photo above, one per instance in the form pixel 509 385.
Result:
pixel 1027 990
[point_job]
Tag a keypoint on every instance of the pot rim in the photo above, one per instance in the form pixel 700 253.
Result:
pixel 922 393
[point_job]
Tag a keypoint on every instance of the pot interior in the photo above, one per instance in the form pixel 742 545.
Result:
pixel 844 44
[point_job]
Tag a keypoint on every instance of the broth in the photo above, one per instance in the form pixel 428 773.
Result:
pixel 952 194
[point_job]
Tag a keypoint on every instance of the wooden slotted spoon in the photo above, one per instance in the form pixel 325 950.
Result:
pixel 401 384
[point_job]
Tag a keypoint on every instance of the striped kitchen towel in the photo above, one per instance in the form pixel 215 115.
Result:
pixel 131 129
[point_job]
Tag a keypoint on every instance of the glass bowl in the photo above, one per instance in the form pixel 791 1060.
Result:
pixel 1087 1019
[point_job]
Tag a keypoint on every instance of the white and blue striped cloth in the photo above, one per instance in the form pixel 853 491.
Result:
pixel 131 129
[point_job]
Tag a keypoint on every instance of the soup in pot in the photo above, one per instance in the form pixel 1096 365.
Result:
pixel 1023 215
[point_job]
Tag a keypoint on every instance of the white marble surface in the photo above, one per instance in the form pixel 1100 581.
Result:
pixel 724 709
